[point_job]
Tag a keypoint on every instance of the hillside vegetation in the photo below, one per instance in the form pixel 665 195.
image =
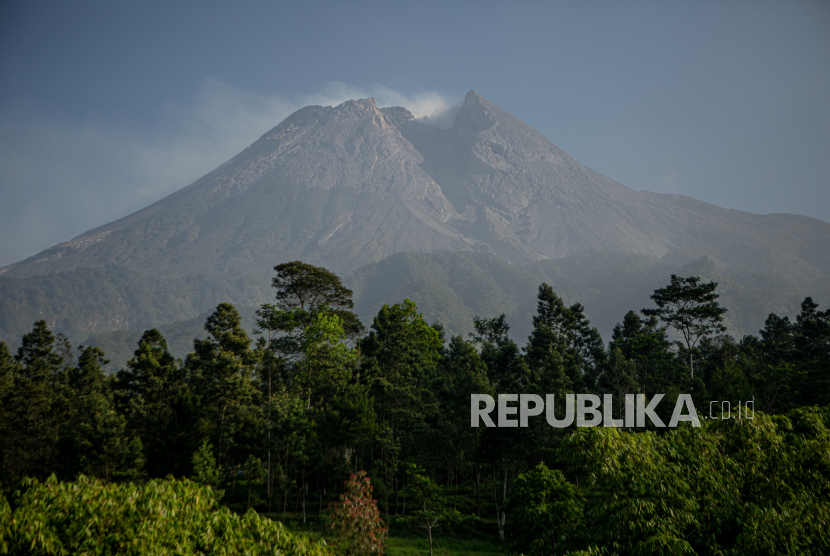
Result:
pixel 453 287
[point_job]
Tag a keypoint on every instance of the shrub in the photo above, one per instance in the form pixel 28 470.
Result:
pixel 355 519
pixel 162 517
pixel 544 512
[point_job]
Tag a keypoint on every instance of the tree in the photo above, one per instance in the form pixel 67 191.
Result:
pixel 152 393
pixel 204 466
pixel 355 519
pixel 158 517
pixel 254 473
pixel 691 308
pixel 433 508
pixel 324 369
pixel 461 372
pixel 400 356
pixel 38 403
pixel 94 439
pixel 293 432
pixel 9 376
pixel 222 367
pixel 643 342
pixel 564 352
pixel 303 292
pixel 505 367
pixel 812 344
pixel 546 513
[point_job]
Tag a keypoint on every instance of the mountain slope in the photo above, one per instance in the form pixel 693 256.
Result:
pixel 349 185
pixel 453 287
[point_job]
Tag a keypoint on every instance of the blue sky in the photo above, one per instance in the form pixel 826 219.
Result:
pixel 108 106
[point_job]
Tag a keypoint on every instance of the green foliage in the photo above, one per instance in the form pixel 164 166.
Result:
pixel 282 423
pixel 303 290
pixel 812 343
pixel 754 486
pixel 308 287
pixel 325 367
pixel 162 517
pixel 9 371
pixel 152 394
pixel 460 372
pixel 94 439
pixel 546 513
pixel 205 470
pixel 644 344
pixel 221 370
pixel 563 352
pixel 5 519
pixel 432 509
pixel 400 357
pixel 400 545
pixel 355 519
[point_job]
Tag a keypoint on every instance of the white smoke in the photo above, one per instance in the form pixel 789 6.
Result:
pixel 61 178
pixel 429 107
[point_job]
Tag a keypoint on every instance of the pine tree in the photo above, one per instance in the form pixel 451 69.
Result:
pixel 563 352
pixel 222 371
pixel 39 403
pixel 152 393
pixel 94 440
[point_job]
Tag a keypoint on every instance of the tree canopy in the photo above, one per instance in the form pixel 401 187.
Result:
pixel 690 307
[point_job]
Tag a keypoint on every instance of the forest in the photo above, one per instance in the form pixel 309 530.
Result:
pixel 316 419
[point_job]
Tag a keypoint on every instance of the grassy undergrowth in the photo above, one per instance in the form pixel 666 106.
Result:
pixel 442 546
pixel 406 543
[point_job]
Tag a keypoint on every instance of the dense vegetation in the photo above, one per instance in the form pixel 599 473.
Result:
pixel 453 288
pixel 158 517
pixel 279 423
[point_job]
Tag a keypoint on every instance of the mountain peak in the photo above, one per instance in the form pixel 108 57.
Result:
pixel 359 105
pixel 475 102
pixel 472 96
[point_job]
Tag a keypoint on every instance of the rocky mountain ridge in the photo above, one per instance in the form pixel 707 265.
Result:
pixel 350 185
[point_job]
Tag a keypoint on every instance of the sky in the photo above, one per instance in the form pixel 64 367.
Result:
pixel 106 107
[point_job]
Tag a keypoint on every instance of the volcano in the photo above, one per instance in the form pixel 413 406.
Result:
pixel 350 185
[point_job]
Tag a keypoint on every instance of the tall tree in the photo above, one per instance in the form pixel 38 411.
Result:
pixel 399 360
pixel 812 344
pixel 643 342
pixel 40 404
pixel 305 350
pixel 222 368
pixel 506 369
pixel 93 439
pixel 326 365
pixel 691 308
pixel 152 392
pixel 432 509
pixel 563 351
pixel 9 378
pixel 461 372
pixel 302 291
